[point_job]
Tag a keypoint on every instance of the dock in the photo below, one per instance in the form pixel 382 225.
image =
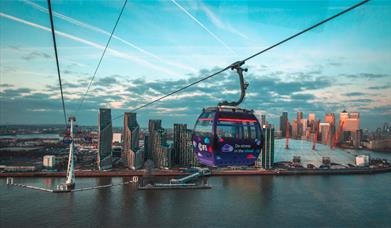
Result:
pixel 10 182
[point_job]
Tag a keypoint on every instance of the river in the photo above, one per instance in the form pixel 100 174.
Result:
pixel 241 201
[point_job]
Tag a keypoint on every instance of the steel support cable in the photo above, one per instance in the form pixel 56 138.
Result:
pixel 56 55
pixel 250 57
pixel 101 58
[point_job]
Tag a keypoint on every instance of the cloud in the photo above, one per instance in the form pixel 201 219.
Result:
pixel 99 30
pixel 354 94
pixel 36 55
pixel 380 87
pixel 219 23
pixel 95 45
pixel 106 81
pixel 366 76
pixel 203 27
pixel 361 100
pixel 12 93
pixel 265 92
pixel 5 85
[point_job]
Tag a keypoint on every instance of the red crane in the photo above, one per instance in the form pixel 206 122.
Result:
pixel 316 135
pixel 287 134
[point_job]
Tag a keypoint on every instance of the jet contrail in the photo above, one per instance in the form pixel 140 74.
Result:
pixel 93 44
pixel 203 26
pixel 96 29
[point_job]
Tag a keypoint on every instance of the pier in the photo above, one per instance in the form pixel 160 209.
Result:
pixel 61 189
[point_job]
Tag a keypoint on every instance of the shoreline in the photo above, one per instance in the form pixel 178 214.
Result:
pixel 277 172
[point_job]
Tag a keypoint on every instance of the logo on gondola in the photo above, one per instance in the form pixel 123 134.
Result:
pixel 202 147
pixel 67 140
pixel 227 148
pixel 206 140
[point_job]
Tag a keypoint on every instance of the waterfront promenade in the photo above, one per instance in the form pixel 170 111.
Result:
pixel 299 171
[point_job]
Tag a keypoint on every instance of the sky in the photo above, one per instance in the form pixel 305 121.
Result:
pixel 160 46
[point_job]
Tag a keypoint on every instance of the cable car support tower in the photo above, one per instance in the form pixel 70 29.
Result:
pixel 70 178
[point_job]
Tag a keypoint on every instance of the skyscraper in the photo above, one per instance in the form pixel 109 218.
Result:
pixel 266 158
pixel 325 131
pixel 153 125
pixel 131 141
pixel 330 118
pixel 311 117
pixel 105 137
pixel 295 129
pixel 350 125
pixel 283 124
pixel 161 152
pixel 299 116
pixel 263 120
pixel 183 149
pixel 344 115
pixel 299 125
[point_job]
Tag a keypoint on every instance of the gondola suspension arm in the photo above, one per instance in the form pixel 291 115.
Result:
pixel 243 84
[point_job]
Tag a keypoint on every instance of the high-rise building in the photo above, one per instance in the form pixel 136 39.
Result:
pixel 299 116
pixel 146 147
pixel 131 141
pixel 311 117
pixel 161 152
pixel 263 120
pixel 299 124
pixel 304 126
pixel 330 118
pixel 295 129
pixel 325 133
pixel 349 123
pixel 283 124
pixel 153 125
pixel 183 150
pixel 352 123
pixel 105 138
pixel 357 138
pixel 343 116
pixel 266 158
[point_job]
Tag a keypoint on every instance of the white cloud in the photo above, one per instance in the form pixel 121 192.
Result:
pixel 93 44
pixel 219 23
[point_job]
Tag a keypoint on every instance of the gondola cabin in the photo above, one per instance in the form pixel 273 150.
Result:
pixel 227 136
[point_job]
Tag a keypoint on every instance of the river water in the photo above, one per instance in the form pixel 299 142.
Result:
pixel 241 201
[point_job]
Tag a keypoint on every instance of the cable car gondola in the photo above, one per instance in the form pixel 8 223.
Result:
pixel 227 135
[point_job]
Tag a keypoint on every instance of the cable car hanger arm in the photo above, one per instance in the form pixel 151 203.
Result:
pixel 243 85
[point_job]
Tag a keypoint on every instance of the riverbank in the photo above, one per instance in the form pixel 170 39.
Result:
pixel 345 171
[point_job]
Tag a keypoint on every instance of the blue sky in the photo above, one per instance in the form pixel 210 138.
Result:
pixel 161 45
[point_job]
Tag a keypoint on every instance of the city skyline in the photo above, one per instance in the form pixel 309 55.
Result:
pixel 316 73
